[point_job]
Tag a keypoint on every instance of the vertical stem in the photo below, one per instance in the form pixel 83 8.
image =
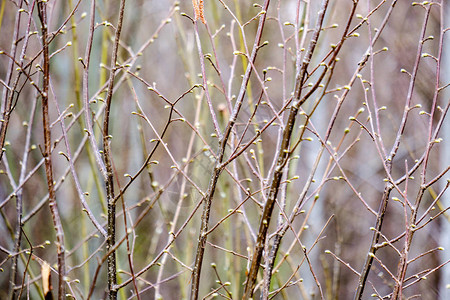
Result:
pixel 388 187
pixel 375 238
pixel 409 233
pixel 219 166
pixel 111 239
pixel 4 125
pixel 8 109
pixel 283 155
pixel 42 11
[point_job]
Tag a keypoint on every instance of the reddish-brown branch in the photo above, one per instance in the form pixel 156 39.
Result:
pixel 42 11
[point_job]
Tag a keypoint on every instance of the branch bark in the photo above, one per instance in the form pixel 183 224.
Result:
pixel 219 166
pixel 111 239
pixel 283 155
pixel 42 12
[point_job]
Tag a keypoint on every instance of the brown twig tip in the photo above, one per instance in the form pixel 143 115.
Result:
pixel 199 10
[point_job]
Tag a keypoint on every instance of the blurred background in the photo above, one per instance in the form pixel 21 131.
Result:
pixel 336 174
